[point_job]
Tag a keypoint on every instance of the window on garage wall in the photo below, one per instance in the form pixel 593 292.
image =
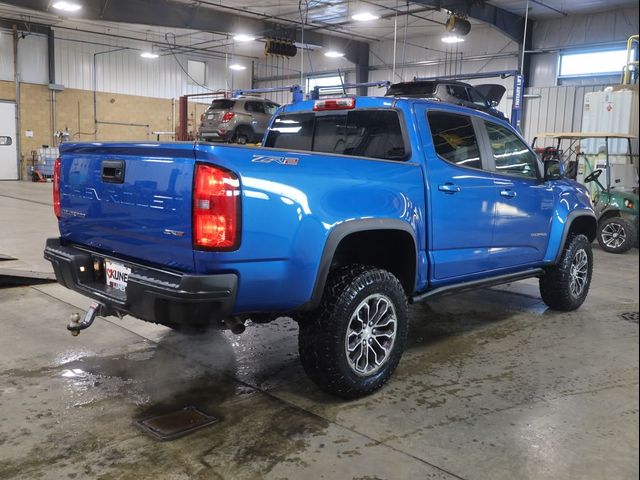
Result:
pixel 592 64
pixel 325 81
pixel 196 72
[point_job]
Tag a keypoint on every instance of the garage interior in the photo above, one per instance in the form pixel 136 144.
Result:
pixel 493 384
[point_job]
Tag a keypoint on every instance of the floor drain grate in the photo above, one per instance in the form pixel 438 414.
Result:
pixel 629 316
pixel 170 426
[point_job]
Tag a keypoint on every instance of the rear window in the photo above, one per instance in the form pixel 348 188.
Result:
pixel 362 133
pixel 222 105
pixel 454 139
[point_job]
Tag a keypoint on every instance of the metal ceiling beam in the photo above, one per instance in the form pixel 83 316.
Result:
pixel 195 16
pixel 511 24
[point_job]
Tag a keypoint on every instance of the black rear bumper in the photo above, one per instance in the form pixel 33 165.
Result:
pixel 152 294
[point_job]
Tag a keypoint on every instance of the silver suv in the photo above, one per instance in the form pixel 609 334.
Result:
pixel 239 120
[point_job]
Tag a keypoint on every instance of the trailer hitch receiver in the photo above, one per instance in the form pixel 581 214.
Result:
pixel 75 325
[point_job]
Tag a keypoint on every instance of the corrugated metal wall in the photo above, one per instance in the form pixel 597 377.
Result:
pixel 554 109
pixel 126 72
pixel 121 71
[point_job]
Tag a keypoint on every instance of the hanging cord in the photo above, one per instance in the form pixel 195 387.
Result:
pixel 303 21
pixel 404 42
pixel 395 43
pixel 172 44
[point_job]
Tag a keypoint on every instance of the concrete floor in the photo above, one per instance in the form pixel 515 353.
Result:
pixel 493 386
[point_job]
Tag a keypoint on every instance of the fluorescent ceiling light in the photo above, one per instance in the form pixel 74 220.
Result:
pixel 452 39
pixel 333 54
pixel 237 66
pixel 67 6
pixel 365 17
pixel 242 37
pixel 149 55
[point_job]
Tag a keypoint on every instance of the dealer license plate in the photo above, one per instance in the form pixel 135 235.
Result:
pixel 116 275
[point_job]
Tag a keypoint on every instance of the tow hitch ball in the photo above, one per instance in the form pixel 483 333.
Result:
pixel 75 325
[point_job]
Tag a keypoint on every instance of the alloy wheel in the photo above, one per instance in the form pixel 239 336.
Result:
pixel 579 271
pixel 613 235
pixel 371 334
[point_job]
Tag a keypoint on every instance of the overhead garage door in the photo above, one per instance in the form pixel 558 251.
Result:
pixel 8 148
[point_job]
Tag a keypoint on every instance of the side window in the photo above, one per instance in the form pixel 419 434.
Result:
pixel 293 132
pixel 270 108
pixel 511 155
pixel 458 91
pixel 476 98
pixel 374 134
pixel 254 107
pixel 454 139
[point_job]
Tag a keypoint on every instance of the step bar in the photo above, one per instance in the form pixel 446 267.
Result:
pixel 475 284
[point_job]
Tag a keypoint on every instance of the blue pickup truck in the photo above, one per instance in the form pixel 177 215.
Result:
pixel 354 207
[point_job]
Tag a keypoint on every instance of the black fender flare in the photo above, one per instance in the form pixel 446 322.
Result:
pixel 341 231
pixel 575 214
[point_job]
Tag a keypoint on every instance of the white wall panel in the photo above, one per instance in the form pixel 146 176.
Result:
pixel 544 70
pixel 6 55
pixel 33 59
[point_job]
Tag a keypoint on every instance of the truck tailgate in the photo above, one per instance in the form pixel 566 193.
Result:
pixel 143 212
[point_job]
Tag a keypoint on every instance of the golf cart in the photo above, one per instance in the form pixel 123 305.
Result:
pixel 617 209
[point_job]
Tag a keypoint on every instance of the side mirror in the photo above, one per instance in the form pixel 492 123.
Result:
pixel 553 170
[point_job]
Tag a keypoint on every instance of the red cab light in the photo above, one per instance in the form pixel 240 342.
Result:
pixel 334 104
pixel 216 208
pixel 227 117
pixel 56 187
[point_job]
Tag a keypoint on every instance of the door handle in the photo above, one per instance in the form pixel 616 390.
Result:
pixel 449 188
pixel 113 171
pixel 508 193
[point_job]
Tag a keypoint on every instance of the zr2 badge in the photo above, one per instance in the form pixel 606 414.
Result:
pixel 281 160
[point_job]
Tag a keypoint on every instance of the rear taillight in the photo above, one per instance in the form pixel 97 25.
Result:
pixel 334 104
pixel 228 117
pixel 56 187
pixel 201 117
pixel 216 208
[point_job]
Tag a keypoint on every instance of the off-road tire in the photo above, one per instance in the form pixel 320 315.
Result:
pixel 629 232
pixel 321 340
pixel 555 285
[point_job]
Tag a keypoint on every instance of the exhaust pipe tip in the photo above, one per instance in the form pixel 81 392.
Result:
pixel 235 324
pixel 238 329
